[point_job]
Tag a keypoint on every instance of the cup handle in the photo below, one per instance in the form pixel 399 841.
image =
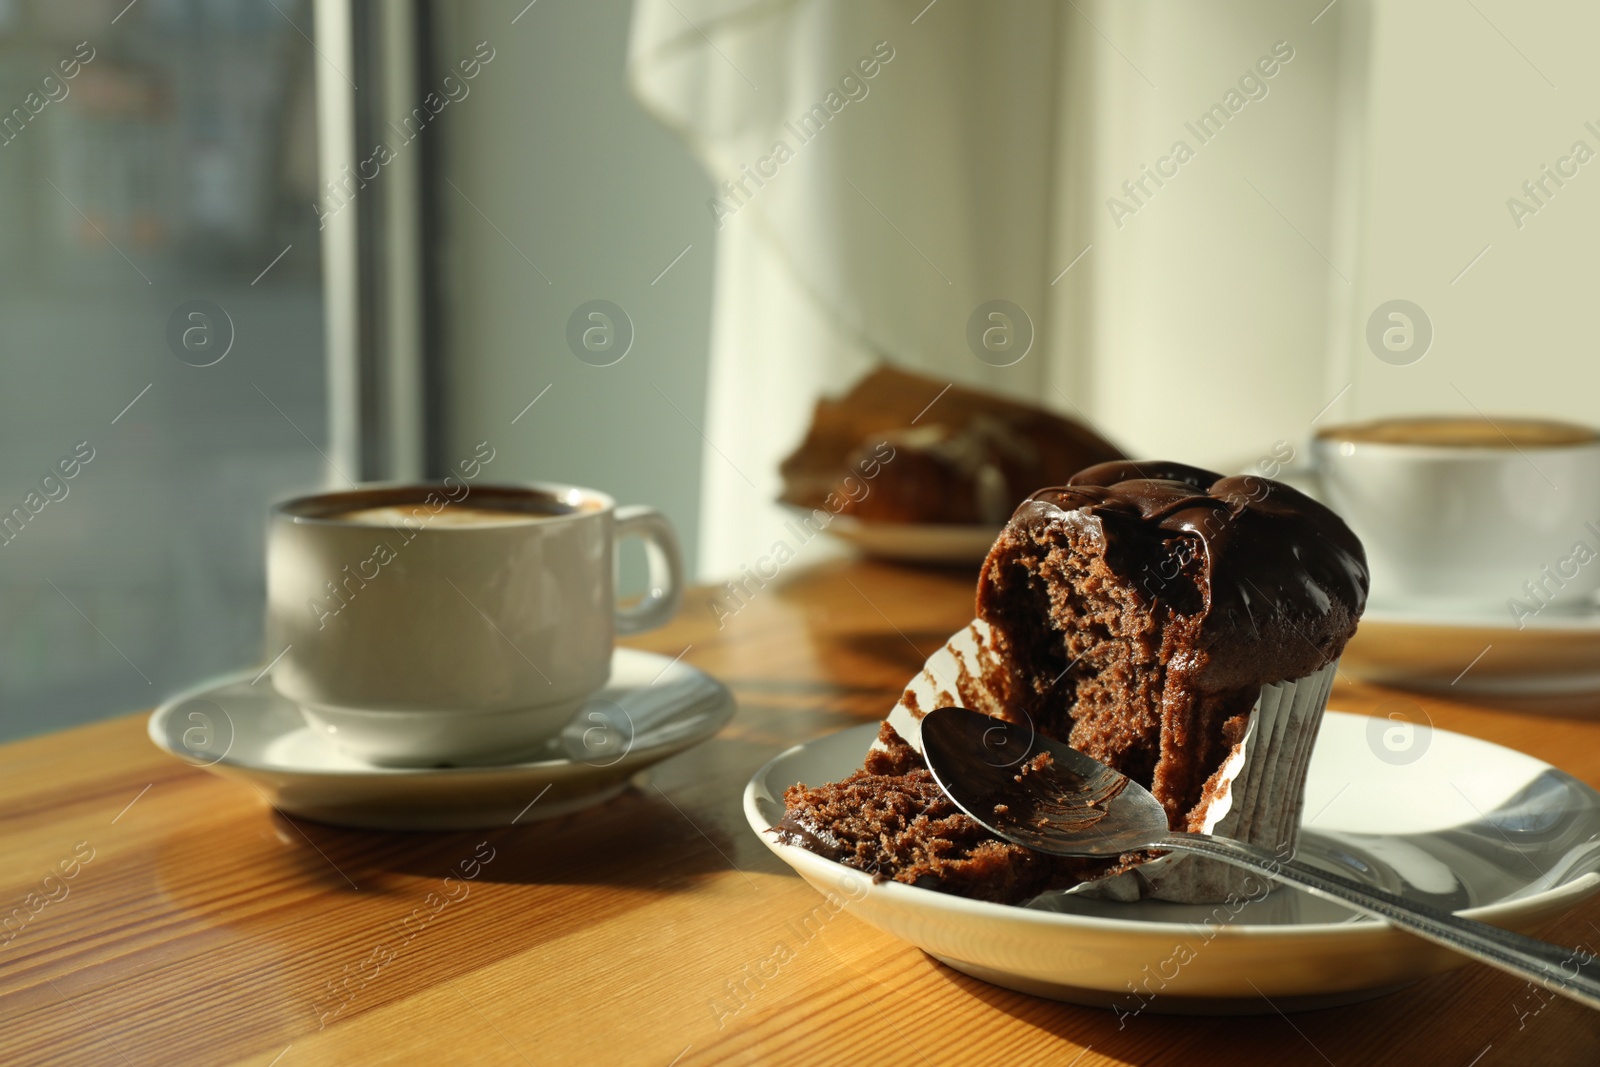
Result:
pixel 660 603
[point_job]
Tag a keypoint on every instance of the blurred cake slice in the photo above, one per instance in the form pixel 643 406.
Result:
pixel 960 456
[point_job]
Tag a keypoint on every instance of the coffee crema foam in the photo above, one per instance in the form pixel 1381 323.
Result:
pixel 419 515
pixel 1465 433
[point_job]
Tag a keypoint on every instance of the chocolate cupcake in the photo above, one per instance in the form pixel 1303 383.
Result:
pixel 1180 626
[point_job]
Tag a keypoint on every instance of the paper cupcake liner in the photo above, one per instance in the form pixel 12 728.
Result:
pixel 1257 796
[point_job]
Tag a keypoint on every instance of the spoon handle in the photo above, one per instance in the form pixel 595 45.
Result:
pixel 1570 972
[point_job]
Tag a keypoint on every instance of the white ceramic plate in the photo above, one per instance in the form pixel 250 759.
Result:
pixel 1464 824
pixel 652 708
pixel 916 542
pixel 1550 653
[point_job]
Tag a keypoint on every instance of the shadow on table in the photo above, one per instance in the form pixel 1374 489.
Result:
pixel 1414 1024
pixel 1574 705
pixel 1134 1036
pixel 637 839
pixel 901 654
pixel 642 843
pixel 338 922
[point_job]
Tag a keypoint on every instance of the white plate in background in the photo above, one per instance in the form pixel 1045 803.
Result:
pixel 911 542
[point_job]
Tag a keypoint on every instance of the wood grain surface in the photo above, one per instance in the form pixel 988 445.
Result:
pixel 198 926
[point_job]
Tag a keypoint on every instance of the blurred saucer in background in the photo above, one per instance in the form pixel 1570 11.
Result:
pixel 1484 653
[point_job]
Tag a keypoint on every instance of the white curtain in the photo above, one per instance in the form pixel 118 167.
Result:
pixel 892 166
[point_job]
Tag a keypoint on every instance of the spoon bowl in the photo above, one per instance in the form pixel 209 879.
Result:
pixel 1036 792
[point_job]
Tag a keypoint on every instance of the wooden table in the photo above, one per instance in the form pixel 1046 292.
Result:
pixel 205 928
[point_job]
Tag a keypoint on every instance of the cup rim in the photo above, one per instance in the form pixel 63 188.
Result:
pixel 1436 451
pixel 377 494
pixel 1340 435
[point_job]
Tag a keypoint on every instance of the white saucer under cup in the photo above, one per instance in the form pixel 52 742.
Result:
pixel 1485 652
pixel 652 708
pixel 418 624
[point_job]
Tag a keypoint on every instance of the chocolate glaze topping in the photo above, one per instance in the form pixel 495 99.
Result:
pixel 1281 579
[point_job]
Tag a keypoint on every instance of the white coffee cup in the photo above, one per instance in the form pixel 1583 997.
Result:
pixel 420 626
pixel 1466 515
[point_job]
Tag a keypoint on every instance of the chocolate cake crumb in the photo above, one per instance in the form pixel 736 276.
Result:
pixel 1040 762
pixel 891 819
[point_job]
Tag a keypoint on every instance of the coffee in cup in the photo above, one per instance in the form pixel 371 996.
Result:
pixel 1465 433
pixel 418 628
pixel 417 516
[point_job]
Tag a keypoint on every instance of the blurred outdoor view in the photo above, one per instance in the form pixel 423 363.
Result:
pixel 171 159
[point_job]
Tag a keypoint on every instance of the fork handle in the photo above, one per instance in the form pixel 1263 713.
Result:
pixel 1570 972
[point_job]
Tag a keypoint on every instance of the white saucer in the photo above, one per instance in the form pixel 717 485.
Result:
pixel 1420 825
pixel 916 542
pixel 1551 653
pixel 652 708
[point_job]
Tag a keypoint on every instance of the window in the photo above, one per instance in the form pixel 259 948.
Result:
pixel 162 376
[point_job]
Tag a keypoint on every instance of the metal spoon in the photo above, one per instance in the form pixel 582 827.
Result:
pixel 1073 805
